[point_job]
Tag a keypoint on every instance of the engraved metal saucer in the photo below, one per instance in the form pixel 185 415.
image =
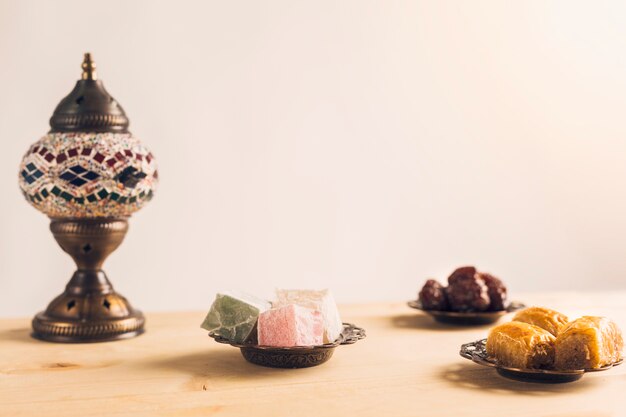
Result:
pixel 468 317
pixel 296 356
pixel 477 352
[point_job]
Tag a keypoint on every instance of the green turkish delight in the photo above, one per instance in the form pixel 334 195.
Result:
pixel 234 316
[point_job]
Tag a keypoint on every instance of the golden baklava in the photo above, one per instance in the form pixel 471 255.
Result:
pixel 545 318
pixel 588 343
pixel 521 345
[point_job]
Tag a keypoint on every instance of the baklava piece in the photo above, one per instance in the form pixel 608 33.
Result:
pixel 588 343
pixel 547 319
pixel 521 345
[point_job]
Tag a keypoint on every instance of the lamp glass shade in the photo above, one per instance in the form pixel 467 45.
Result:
pixel 88 175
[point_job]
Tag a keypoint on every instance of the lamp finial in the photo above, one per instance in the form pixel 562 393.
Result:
pixel 89 68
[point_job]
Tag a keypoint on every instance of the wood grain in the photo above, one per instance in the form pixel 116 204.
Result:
pixel 407 366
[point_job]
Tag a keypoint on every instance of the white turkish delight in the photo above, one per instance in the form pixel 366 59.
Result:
pixel 321 301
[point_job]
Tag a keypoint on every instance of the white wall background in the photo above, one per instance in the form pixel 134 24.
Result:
pixel 359 145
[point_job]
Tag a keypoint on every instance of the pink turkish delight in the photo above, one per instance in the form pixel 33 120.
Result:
pixel 290 325
pixel 322 301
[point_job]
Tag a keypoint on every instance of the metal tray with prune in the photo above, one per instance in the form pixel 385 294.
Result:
pixel 471 298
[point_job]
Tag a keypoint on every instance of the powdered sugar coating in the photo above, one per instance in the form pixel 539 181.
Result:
pixel 320 300
pixel 290 325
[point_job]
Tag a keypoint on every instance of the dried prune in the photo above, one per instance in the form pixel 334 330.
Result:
pixel 461 273
pixel 497 291
pixel 433 296
pixel 467 291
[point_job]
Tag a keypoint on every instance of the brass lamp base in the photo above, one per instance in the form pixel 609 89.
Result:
pixel 89 310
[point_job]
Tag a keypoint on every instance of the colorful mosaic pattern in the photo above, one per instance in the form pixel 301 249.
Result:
pixel 88 175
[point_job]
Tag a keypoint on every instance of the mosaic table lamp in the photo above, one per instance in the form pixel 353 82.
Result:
pixel 88 174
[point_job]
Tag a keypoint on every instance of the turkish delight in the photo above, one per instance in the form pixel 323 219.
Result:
pixel 290 325
pixel 321 301
pixel 234 316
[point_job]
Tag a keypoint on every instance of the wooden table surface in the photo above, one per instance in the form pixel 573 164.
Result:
pixel 407 366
